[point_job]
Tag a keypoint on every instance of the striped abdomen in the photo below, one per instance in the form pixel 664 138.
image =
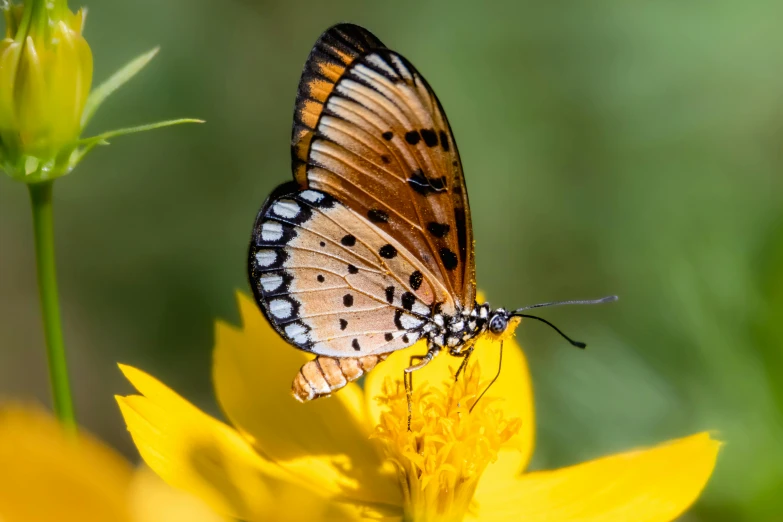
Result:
pixel 323 375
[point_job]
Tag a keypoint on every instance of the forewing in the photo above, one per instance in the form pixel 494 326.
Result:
pixel 383 147
pixel 331 282
pixel 334 51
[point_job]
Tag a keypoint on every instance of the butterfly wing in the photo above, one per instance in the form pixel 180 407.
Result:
pixel 332 54
pixel 370 131
pixel 374 237
pixel 330 282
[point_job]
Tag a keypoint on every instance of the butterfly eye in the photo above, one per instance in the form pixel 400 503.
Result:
pixel 498 323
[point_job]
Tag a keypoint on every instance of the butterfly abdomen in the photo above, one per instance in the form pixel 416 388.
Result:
pixel 323 375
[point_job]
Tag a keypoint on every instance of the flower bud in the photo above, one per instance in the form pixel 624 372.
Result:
pixel 45 79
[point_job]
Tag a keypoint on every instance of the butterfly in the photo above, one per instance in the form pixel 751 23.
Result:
pixel 370 248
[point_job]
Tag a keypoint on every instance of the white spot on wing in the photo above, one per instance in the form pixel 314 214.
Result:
pixel 286 208
pixel 410 322
pixel 266 257
pixel 297 332
pixel 281 308
pixel 271 282
pixel 271 231
pixel 420 308
pixel 311 196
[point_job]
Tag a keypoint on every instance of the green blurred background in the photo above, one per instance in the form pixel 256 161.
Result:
pixel 609 147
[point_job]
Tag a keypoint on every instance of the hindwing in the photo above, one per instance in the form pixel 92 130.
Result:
pixel 332 283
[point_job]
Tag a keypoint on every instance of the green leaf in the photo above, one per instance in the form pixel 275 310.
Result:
pixel 85 145
pixel 117 80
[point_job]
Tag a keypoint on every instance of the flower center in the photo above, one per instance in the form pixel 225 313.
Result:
pixel 439 462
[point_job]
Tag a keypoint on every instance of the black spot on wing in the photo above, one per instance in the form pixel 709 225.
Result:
pixel 388 135
pixel 348 300
pixel 348 240
pixel 352 269
pixel 444 141
pixel 397 319
pixel 343 324
pixel 390 294
pixel 355 345
pixel 424 185
pixel 416 279
pixel 438 229
pixel 385 159
pixel 377 216
pixel 429 137
pixel 388 252
pixel 449 258
pixel 407 300
pixel 388 336
pixel 412 137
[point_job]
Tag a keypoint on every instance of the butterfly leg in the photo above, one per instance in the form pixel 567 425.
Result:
pixel 407 376
pixel 466 357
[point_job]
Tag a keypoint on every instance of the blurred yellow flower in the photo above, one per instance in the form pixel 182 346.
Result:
pixel 353 458
pixel 48 474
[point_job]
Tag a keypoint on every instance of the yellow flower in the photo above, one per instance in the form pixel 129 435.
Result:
pixel 49 475
pixel 354 449
pixel 45 78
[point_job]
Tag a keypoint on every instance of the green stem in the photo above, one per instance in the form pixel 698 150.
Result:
pixel 43 226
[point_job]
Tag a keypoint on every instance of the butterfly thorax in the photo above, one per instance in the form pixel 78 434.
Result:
pixel 455 333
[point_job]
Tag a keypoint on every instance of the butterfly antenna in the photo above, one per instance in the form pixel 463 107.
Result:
pixel 495 378
pixel 607 299
pixel 578 344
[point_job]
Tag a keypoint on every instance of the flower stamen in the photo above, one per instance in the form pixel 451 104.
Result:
pixel 440 460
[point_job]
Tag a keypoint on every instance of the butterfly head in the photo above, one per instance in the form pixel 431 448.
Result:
pixel 501 324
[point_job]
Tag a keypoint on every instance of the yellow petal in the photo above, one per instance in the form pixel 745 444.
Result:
pixel 513 388
pixel 48 475
pixel 504 470
pixel 652 485
pixel 199 454
pixel 152 500
pixel 253 370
